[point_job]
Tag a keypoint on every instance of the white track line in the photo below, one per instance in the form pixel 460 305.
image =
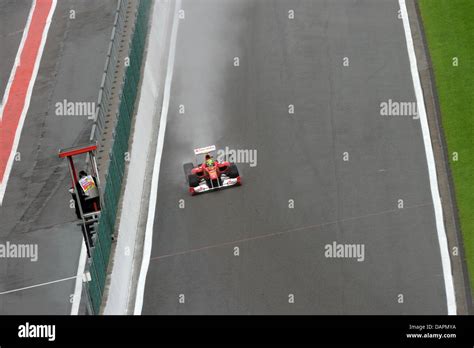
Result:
pixel 443 242
pixel 78 288
pixel 16 141
pixel 156 167
pixel 37 285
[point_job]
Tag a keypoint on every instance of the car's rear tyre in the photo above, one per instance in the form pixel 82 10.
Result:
pixel 232 171
pixel 188 167
pixel 193 180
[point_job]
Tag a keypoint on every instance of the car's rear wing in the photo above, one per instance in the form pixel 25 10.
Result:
pixel 203 150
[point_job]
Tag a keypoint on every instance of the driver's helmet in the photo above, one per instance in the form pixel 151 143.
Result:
pixel 209 160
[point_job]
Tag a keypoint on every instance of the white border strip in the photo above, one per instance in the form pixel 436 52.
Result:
pixel 76 301
pixel 16 63
pixel 156 167
pixel 29 92
pixel 443 242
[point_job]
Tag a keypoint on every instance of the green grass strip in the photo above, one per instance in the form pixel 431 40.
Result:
pixel 449 28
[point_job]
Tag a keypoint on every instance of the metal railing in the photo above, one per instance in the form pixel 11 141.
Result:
pixel 103 101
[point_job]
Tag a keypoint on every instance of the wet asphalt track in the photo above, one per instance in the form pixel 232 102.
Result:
pixel 36 205
pixel 300 158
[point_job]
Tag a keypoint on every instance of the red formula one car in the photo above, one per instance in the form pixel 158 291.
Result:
pixel 210 175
